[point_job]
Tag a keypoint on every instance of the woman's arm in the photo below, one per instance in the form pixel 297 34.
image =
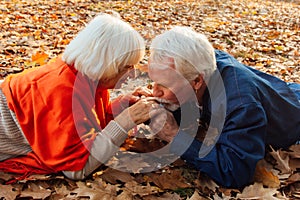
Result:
pixel 105 145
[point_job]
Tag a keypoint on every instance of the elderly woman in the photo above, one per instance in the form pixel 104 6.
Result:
pixel 58 117
pixel 242 109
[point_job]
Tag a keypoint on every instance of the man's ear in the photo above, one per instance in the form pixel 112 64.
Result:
pixel 198 82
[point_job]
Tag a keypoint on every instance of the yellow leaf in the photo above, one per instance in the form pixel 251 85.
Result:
pixel 40 58
pixel 267 178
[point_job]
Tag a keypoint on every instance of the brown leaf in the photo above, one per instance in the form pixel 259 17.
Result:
pixel 196 196
pixel 142 145
pixel 130 162
pixel 125 195
pixel 172 180
pixel 113 176
pixel 295 151
pixel 141 190
pixel 294 163
pixel 282 161
pixel 293 178
pixel 6 176
pixel 36 192
pixel 8 192
pixel 205 184
pixel 257 191
pixel 83 191
pixel 165 196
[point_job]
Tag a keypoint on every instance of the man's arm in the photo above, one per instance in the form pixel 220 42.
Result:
pixel 232 160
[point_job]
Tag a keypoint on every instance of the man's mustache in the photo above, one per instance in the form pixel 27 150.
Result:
pixel 165 103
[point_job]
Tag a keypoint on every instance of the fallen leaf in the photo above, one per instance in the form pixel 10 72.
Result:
pixel 141 190
pixel 8 192
pixel 35 191
pixel 293 178
pixel 266 177
pixel 282 161
pixel 257 191
pixel 165 196
pixel 196 196
pixel 125 195
pixel 39 58
pixel 172 180
pixel 83 191
pixel 295 151
pixel 294 164
pixel 113 176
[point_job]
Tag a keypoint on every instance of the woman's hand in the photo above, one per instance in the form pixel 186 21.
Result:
pixel 143 92
pixel 136 114
pixel 125 101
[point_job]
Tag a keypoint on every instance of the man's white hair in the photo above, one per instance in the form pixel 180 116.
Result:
pixel 104 47
pixel 193 54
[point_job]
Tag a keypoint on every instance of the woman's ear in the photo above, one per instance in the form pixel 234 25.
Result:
pixel 198 82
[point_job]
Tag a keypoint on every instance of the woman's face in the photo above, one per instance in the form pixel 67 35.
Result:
pixel 117 80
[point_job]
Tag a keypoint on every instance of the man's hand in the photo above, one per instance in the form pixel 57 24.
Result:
pixel 163 124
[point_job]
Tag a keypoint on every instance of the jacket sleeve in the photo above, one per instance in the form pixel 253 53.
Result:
pixel 232 161
pixel 105 145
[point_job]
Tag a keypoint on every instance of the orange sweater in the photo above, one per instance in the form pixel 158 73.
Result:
pixel 55 107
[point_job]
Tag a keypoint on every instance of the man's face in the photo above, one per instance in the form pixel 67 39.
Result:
pixel 169 84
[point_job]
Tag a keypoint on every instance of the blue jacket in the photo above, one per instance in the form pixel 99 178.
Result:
pixel 261 110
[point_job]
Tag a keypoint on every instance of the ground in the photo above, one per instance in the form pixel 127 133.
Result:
pixel 261 34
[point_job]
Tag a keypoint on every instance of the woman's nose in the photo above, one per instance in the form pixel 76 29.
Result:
pixel 157 92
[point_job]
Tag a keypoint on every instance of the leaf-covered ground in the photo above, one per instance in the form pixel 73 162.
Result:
pixel 259 33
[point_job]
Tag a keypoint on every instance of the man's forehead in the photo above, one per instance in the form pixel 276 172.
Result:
pixel 165 62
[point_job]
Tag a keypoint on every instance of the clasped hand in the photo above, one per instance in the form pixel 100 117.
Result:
pixel 141 107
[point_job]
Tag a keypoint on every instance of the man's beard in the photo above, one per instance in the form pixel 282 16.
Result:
pixel 167 104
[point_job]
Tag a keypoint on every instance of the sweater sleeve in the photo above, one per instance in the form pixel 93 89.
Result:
pixel 105 145
pixel 232 160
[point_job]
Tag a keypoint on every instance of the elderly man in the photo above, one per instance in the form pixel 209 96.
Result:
pixel 243 110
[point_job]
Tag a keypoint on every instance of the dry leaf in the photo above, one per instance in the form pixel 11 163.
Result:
pixel 196 196
pixel 83 191
pixel 293 178
pixel 295 151
pixel 37 194
pixel 263 34
pixel 294 164
pixel 266 177
pixel 141 190
pixel 125 195
pixel 282 161
pixel 165 196
pixel 172 180
pixel 257 191
pixel 8 192
pixel 113 176
pixel 39 58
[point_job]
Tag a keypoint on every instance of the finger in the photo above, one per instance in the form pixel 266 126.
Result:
pixel 133 99
pixel 143 91
pixel 156 110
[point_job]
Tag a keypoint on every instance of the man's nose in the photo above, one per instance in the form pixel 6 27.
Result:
pixel 157 92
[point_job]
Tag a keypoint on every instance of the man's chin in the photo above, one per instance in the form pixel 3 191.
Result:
pixel 171 106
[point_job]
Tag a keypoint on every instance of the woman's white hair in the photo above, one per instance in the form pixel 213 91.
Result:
pixel 104 47
pixel 193 54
